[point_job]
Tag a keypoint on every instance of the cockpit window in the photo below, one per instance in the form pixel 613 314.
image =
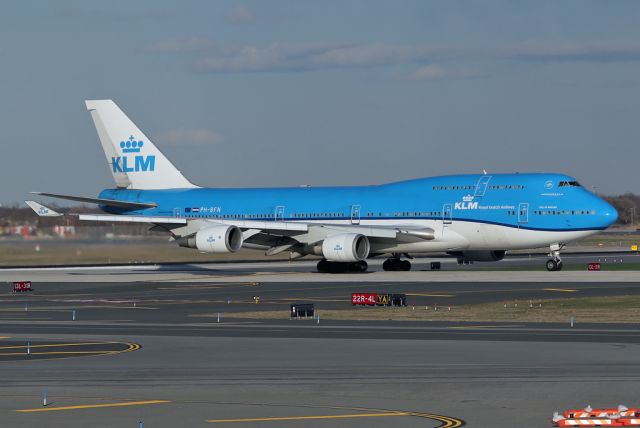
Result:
pixel 569 184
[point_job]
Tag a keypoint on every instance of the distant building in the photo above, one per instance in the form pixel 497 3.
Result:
pixel 64 231
pixel 22 230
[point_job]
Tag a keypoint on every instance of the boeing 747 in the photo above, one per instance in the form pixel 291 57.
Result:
pixel 475 217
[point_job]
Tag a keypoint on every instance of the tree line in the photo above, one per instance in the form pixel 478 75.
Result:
pixel 628 206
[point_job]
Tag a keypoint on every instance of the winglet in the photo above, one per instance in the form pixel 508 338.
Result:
pixel 41 210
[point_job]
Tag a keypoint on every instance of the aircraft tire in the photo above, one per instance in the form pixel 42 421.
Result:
pixel 395 265
pixel 357 267
pixel 552 265
pixel 323 266
pixel 362 266
pixel 339 267
pixel 392 265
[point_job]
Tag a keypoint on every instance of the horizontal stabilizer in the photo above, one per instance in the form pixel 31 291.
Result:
pixel 41 210
pixel 99 201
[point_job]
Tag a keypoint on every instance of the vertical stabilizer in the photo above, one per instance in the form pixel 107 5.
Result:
pixel 134 161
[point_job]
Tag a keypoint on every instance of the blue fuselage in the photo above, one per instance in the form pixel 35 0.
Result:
pixel 542 202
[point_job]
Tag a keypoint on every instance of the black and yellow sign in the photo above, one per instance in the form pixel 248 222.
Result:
pixel 382 299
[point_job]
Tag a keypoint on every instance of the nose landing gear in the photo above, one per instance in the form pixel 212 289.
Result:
pixel 554 265
pixel 555 262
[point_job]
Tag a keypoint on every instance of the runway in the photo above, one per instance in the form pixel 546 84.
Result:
pixel 194 371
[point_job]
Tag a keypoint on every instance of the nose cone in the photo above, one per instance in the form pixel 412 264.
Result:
pixel 607 213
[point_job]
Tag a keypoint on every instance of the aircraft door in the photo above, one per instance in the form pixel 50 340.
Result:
pixel 355 214
pixel 481 185
pixel 279 213
pixel 447 214
pixel 523 213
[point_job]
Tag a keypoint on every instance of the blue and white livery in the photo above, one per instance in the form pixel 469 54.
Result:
pixel 475 217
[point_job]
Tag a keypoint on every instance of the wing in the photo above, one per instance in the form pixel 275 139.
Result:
pixel 277 236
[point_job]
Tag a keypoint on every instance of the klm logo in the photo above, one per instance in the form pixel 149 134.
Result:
pixel 466 204
pixel 132 163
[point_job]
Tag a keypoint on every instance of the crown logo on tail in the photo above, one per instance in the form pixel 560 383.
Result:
pixel 131 145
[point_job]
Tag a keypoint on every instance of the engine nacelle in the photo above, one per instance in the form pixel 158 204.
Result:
pixel 481 256
pixel 346 247
pixel 215 239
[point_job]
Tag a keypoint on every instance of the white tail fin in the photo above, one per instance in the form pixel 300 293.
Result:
pixel 134 161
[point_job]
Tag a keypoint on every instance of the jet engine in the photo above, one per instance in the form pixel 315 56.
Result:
pixel 480 256
pixel 215 239
pixel 346 247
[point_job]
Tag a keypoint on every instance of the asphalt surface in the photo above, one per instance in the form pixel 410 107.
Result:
pixel 139 302
pixel 514 268
pixel 32 350
pixel 195 371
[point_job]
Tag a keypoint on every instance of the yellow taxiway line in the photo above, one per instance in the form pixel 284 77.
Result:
pixel 447 421
pixel 93 406
pixel 6 354
pixel 562 290
pixel 131 347
pixel 299 418
pixel 57 345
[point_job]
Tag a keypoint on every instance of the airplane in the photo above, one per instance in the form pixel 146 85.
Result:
pixel 473 217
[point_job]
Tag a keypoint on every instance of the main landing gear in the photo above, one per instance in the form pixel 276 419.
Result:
pixel 396 264
pixel 555 262
pixel 325 266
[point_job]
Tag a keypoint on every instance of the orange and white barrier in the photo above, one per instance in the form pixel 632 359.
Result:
pixel 589 417
pixel 588 412
pixel 589 423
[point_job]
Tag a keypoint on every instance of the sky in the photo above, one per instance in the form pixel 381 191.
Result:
pixel 287 93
